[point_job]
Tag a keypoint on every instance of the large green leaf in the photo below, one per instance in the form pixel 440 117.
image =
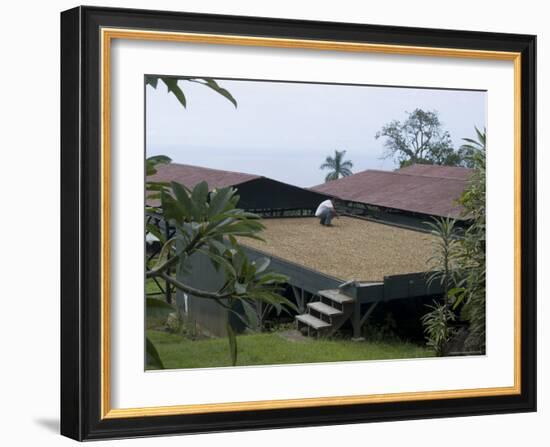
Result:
pixel 268 278
pixel 151 80
pixel 165 252
pixel 270 297
pixel 219 200
pixel 252 320
pixel 220 261
pixel 174 209
pixel 199 196
pixel 220 247
pixel 241 228
pixel 214 86
pixel 173 87
pixel 153 229
pixel 185 202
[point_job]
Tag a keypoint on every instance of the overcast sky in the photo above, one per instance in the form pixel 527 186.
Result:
pixel 285 130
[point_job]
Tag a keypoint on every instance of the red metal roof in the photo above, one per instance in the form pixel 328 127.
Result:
pixel 190 175
pixel 455 172
pixel 428 192
pixel 255 191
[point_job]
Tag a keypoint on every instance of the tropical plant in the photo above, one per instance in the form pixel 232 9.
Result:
pixel 337 165
pixel 459 263
pixel 445 270
pixel 473 149
pixel 209 223
pixel 172 85
pixel 473 201
pixel 444 263
pixel 436 326
pixel 419 139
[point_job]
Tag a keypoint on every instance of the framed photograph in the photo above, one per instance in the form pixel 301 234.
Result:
pixel 276 223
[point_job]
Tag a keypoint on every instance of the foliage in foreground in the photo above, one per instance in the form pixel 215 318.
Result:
pixel 436 324
pixel 172 86
pixel 208 223
pixel 445 264
pixel 473 290
pixel 459 263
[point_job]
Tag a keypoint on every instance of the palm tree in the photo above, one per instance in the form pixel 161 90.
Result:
pixel 338 166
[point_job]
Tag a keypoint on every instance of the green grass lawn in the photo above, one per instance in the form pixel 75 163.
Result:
pixel 272 348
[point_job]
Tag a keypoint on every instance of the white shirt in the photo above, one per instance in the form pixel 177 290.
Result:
pixel 327 204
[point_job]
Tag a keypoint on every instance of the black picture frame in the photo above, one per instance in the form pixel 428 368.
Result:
pixel 81 209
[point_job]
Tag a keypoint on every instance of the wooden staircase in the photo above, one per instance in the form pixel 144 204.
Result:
pixel 326 316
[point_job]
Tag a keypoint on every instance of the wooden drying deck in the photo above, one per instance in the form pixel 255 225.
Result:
pixel 352 248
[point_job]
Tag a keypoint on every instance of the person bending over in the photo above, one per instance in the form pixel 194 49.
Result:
pixel 326 212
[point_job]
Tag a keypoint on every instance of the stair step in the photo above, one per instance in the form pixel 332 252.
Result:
pixel 336 295
pixel 324 309
pixel 313 322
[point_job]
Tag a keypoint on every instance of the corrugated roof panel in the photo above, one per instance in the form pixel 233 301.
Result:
pixel 430 191
pixel 256 192
pixel 190 175
pixel 455 172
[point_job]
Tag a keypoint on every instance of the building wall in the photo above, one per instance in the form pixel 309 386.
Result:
pixel 205 313
pixel 267 195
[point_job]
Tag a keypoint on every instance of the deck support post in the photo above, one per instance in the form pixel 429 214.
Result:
pixel 299 296
pixel 358 321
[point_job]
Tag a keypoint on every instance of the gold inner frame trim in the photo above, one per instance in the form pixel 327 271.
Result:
pixel 107 35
